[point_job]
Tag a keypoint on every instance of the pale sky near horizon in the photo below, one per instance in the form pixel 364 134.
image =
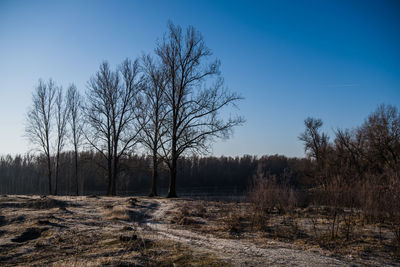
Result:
pixel 334 60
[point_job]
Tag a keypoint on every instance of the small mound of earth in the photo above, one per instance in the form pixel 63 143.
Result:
pixel 65 210
pixel 127 228
pixel 17 219
pixel 29 234
pixel 133 201
pixel 45 203
pixel 127 238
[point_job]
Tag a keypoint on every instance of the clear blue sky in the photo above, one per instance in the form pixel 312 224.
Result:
pixel 335 60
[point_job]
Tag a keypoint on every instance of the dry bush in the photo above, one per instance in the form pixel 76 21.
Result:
pixel 199 210
pixel 381 203
pixel 45 203
pixel 268 197
pixel 235 221
pixel 185 214
pixel 118 213
pixel 392 204
pixel 339 200
pixel 335 212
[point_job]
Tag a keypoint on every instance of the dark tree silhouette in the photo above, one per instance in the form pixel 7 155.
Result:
pixel 382 136
pixel 111 114
pixel 153 113
pixel 74 103
pixel 194 95
pixel 39 121
pixel 315 142
pixel 61 114
pixel 316 145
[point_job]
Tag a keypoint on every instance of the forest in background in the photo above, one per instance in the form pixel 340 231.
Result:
pixel 26 174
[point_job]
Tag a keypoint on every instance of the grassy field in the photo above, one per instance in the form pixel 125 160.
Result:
pixel 124 231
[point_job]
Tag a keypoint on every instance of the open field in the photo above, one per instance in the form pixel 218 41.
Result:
pixel 123 231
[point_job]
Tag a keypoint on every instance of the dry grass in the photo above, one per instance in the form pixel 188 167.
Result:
pixel 112 231
pixel 117 213
pixel 91 232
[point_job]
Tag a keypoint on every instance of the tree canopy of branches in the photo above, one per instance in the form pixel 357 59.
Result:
pixel 194 96
pixel 111 114
pixel 38 126
pixel 315 142
pixel 316 145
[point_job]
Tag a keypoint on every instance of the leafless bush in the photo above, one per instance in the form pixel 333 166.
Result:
pixel 335 216
pixel 236 220
pixel 118 213
pixel 268 197
pixel 185 214
pixel 381 202
pixel 392 208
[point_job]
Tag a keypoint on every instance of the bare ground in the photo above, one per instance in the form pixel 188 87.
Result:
pixel 121 231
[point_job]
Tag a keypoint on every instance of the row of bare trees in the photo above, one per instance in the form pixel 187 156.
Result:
pixel 47 122
pixel 370 149
pixel 359 170
pixel 168 104
pixel 345 183
pixel 26 174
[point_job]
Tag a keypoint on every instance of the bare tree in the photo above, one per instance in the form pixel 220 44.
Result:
pixel 382 134
pixel 349 146
pixel 153 113
pixel 39 121
pixel 316 145
pixel 315 142
pixel 61 113
pixel 194 94
pixel 74 103
pixel 111 114
pixel 376 144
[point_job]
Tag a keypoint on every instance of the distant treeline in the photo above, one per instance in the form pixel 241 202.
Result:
pixel 27 174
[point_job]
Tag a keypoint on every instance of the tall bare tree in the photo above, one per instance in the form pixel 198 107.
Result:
pixel 316 145
pixel 74 103
pixel 61 112
pixel 39 126
pixel 111 114
pixel 153 113
pixel 315 142
pixel 194 95
pixel 382 135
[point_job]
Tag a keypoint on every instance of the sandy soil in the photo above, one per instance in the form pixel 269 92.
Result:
pixel 120 231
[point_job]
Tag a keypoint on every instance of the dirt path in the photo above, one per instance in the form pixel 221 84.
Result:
pixel 237 252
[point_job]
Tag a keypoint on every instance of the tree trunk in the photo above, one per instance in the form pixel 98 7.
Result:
pixel 56 178
pixel 154 176
pixel 172 180
pixel 174 158
pixel 114 178
pixel 109 188
pixel 76 172
pixel 49 172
